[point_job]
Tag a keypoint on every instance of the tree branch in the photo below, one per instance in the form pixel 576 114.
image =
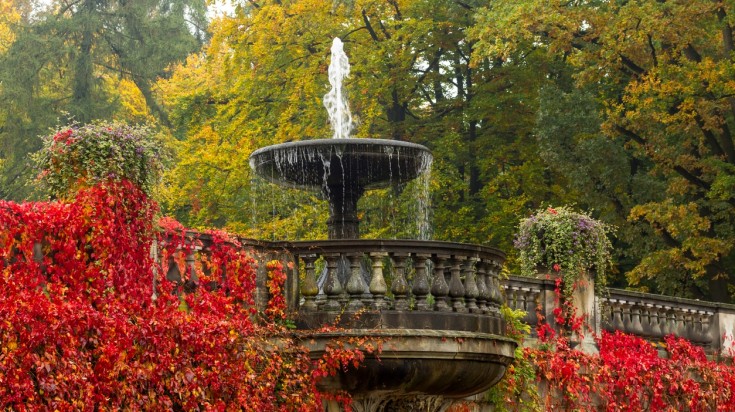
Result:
pixel 727 41
pixel 709 136
pixel 434 62
pixel 398 14
pixel 727 143
pixel 692 54
pixel 630 134
pixel 463 5
pixel 631 65
pixel 653 50
pixel 369 26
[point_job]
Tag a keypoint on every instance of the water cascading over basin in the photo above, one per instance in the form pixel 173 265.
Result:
pixel 343 169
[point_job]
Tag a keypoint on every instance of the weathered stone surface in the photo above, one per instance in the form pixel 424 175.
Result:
pixel 453 364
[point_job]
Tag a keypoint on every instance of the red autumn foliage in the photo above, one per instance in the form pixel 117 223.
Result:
pixel 629 373
pixel 95 324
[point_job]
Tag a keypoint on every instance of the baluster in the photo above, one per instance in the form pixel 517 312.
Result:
pixel 38 257
pixel 512 297
pixel 645 319
pixel 378 287
pixel 688 315
pixel 499 298
pixel 173 273
pixel 456 288
pixel 309 287
pixel 483 294
pixel 421 282
pixel 618 319
pixel 440 289
pixel 627 321
pixel 531 304
pixel 191 265
pixel 656 333
pixel 471 291
pixel 355 284
pixel 680 328
pixel 399 286
pixel 669 321
pixel 698 332
pixel 332 285
pixel 484 268
pixel 662 321
pixel 635 320
pixel 521 298
pixel 493 285
pixel 607 314
pixel 707 337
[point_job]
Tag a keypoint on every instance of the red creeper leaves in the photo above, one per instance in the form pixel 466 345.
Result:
pixel 79 325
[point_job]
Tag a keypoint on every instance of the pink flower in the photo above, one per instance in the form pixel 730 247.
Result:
pixel 556 267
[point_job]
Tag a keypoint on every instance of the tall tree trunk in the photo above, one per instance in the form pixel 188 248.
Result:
pixel 84 70
pixel 396 116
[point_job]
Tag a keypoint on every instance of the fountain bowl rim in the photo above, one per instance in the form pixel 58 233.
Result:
pixel 352 141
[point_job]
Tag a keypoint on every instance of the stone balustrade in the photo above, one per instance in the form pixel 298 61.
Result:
pixel 651 316
pixel 655 316
pixel 534 296
pixel 457 283
pixel 445 286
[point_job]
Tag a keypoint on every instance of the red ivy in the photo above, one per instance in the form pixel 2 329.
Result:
pixel 89 320
pixel 276 309
pixel 629 374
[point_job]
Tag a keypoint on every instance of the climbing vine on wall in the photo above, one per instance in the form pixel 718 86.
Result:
pixel 629 374
pixel 89 318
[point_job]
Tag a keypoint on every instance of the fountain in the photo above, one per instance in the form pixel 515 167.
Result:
pixel 343 168
pixel 434 304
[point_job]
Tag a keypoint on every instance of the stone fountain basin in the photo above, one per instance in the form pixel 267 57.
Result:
pixel 366 163
pixel 453 364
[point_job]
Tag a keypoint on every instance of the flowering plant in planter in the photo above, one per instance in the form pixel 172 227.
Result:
pixel 77 156
pixel 567 242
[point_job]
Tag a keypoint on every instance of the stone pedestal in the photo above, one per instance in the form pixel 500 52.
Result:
pixel 583 299
pixel 584 303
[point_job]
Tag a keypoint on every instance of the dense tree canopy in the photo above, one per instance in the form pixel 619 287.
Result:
pixel 657 78
pixel 625 108
pixel 85 60
pixel 262 79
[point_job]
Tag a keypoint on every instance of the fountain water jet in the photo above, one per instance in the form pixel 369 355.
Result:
pixel 336 101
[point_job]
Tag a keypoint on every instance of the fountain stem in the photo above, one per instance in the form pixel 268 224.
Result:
pixel 343 222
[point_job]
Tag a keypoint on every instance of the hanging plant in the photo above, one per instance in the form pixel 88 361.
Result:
pixel 566 242
pixel 75 157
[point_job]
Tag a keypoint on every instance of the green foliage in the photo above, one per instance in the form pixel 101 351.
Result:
pixel 80 156
pixel 655 79
pixel 518 390
pixel 85 60
pixel 413 77
pixel 565 241
pixel 516 329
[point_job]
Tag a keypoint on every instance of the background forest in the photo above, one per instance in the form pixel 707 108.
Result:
pixel 622 107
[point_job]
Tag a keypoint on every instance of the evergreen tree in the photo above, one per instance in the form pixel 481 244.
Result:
pixel 67 63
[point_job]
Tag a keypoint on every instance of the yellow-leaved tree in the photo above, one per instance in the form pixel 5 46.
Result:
pixel 262 79
pixel 658 80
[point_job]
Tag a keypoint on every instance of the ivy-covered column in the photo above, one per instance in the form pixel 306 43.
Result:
pixel 573 249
